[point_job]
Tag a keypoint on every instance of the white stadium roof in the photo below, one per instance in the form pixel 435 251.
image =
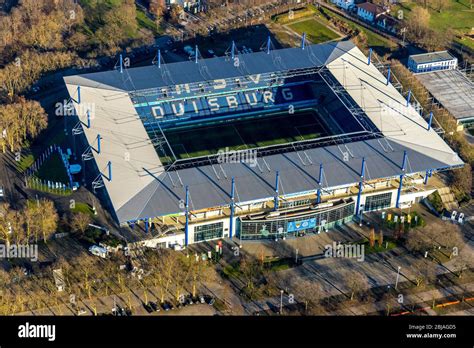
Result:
pixel 141 188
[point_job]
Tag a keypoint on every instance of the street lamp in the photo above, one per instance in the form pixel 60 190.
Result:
pixel 398 274
pixel 281 302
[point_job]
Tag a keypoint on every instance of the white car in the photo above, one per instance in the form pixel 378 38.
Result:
pixel 2 192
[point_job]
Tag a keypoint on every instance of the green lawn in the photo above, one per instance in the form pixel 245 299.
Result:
pixel 244 134
pixel 373 39
pixel 286 18
pixel 145 22
pixel 315 31
pixel 25 162
pixel 83 208
pixel 456 15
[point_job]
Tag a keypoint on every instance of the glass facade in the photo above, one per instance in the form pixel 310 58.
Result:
pixel 307 223
pixel 292 204
pixel 209 231
pixel 378 202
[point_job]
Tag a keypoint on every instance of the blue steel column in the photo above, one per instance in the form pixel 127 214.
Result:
pixel 232 53
pixel 146 225
pixel 370 56
pixel 399 192
pixel 320 182
pixel 78 94
pixel 303 39
pixel 121 64
pixel 427 175
pixel 186 226
pixel 232 204
pixel 408 97
pixel 362 174
pixel 98 143
pixel 276 189
pixel 159 59
pixel 109 165
pixel 431 119
pixel 268 44
pixel 388 76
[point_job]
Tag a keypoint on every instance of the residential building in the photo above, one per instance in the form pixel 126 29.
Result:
pixel 370 12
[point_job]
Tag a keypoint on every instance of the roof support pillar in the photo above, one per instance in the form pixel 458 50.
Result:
pixel 370 56
pixel 361 185
pixel 186 226
pixel 400 186
pixel 303 39
pixel 277 181
pixel 98 142
pixel 427 175
pixel 388 76
pixel 320 181
pixel 232 207
pixel 431 120
pixel 109 166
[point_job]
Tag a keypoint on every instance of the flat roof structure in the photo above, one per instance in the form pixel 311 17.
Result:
pixel 431 57
pixel 453 89
pixel 141 187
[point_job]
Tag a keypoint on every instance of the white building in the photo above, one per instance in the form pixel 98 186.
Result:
pixel 369 12
pixel 344 4
pixel 432 61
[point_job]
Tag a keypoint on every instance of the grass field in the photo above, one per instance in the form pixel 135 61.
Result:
pixel 288 17
pixel 373 39
pixel 244 134
pixel 457 15
pixel 315 31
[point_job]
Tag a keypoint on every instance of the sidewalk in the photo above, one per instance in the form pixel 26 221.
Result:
pixel 427 296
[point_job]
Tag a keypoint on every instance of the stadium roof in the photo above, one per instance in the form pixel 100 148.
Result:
pixel 142 188
pixel 213 68
pixel 431 57
pixel 452 89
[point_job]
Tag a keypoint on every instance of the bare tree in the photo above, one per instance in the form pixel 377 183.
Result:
pixel 311 294
pixel 424 271
pixel 80 222
pixel 355 281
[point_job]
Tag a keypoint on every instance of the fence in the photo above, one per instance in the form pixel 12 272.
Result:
pixel 35 183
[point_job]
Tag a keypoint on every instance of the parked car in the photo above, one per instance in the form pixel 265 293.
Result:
pixel 148 308
pixel 2 192
pixel 201 299
pixel 166 306
pixel 154 306
pixel 188 300
pixel 209 300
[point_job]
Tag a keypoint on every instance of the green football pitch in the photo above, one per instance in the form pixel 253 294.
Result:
pixel 208 139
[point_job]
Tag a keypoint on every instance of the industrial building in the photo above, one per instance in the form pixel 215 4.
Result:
pixel 432 61
pixel 263 145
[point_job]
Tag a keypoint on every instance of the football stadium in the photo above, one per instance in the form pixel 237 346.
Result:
pixel 263 145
